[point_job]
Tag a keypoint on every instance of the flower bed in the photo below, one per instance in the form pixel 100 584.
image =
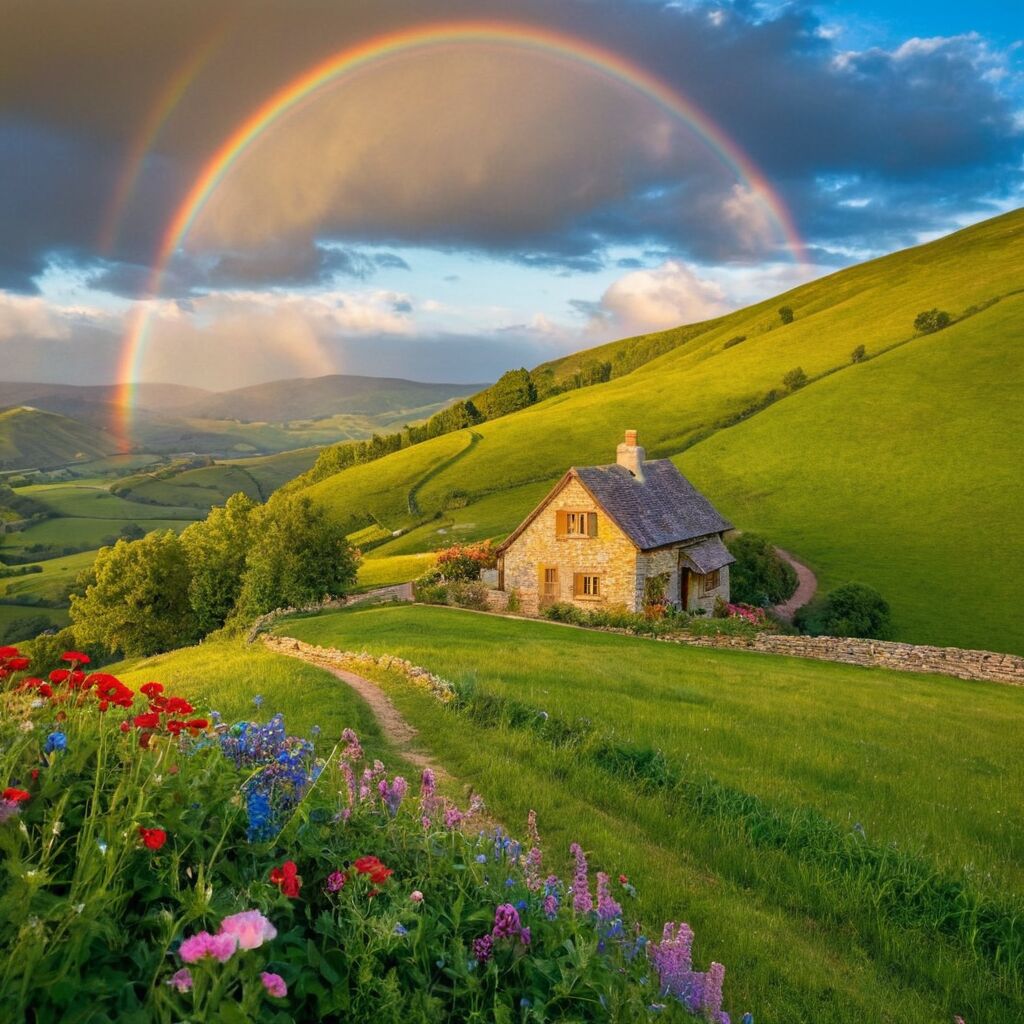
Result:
pixel 165 865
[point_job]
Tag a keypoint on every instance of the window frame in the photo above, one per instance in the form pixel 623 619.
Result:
pixel 711 582
pixel 580 583
pixel 584 519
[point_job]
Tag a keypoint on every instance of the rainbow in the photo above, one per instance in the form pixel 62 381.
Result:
pixel 419 38
pixel 159 114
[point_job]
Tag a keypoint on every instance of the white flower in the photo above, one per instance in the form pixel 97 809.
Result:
pixel 27 726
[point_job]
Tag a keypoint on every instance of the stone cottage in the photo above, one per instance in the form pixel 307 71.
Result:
pixel 632 533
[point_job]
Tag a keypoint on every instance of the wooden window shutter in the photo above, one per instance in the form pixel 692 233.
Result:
pixel 591 524
pixel 577 583
pixel 560 523
pixel 540 582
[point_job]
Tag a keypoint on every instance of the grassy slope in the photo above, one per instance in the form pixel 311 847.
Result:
pixel 51 583
pixel 33 439
pixel 678 398
pixel 91 500
pixel 917 485
pixel 856 745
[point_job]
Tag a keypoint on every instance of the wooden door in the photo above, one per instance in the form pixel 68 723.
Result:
pixel 684 588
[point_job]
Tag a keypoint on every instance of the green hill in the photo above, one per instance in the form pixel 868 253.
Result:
pixel 34 439
pixel 937 422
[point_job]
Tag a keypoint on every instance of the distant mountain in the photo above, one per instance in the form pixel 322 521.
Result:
pixel 311 398
pixel 79 399
pixel 35 439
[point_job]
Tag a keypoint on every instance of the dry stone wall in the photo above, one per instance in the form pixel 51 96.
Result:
pixel 949 661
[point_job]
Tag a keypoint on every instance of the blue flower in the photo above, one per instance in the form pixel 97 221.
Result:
pixel 400 929
pixel 315 731
pixel 55 741
pixel 521 905
pixel 747 1018
pixel 524 1002
pixel 481 858
pixel 509 882
pixel 258 700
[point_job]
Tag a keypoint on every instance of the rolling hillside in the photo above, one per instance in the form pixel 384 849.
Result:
pixel 932 434
pixel 33 439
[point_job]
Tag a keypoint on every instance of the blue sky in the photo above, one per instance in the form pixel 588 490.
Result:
pixel 448 215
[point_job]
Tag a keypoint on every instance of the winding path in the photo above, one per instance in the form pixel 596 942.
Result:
pixel 393 725
pixel 806 588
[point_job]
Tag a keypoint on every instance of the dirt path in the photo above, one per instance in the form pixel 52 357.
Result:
pixel 806 588
pixel 396 729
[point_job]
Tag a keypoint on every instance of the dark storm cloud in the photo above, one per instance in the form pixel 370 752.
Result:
pixel 923 133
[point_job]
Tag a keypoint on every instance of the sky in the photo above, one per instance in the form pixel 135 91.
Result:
pixel 446 211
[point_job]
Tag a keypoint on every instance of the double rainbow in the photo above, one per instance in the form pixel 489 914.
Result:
pixel 353 58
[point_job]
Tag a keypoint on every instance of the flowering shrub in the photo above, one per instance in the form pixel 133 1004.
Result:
pixel 171 867
pixel 464 561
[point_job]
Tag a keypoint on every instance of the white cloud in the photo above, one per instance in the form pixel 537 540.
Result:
pixel 665 296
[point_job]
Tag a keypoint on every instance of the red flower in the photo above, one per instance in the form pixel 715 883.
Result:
pixel 197 724
pixel 371 866
pixel 16 796
pixel 152 838
pixel 17 664
pixel 124 726
pixel 150 720
pixel 287 879
pixel 9 652
pixel 34 773
pixel 151 689
pixel 45 690
pixel 59 675
pixel 174 727
pixel 179 706
pixel 623 879
pixel 76 656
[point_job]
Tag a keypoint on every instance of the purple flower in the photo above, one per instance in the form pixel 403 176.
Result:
pixel 180 980
pixel 524 936
pixel 336 881
pixel 274 984
pixel 353 750
pixel 392 794
pixel 582 901
pixel 483 948
pixel 533 857
pixel 607 908
pixel 8 809
pixel 506 922
pixel 220 947
pixel 452 818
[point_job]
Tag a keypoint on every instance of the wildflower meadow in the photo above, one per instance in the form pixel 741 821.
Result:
pixel 162 864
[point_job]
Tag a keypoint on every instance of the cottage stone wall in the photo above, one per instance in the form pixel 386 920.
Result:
pixel 666 560
pixel 610 555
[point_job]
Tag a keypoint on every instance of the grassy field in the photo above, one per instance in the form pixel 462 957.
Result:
pixel 382 572
pixel 91 499
pixel 33 439
pixel 765 746
pixel 77 532
pixel 52 582
pixel 691 392
pixel 12 613
pixel 921 493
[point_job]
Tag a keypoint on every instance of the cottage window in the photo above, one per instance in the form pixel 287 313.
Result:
pixel 586 585
pixel 575 524
pixel 711 581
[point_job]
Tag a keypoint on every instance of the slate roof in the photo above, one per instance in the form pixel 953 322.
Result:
pixel 663 508
pixel 706 555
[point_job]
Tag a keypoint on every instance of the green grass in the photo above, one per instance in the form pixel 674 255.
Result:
pixel 906 470
pixel 271 471
pixel 33 439
pixel 686 395
pixel 382 572
pixel 76 532
pixel 11 613
pixel 927 763
pixel 92 500
pixel 50 584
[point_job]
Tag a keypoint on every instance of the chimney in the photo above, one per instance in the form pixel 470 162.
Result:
pixel 631 455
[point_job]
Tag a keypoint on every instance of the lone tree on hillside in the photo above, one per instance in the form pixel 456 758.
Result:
pixel 795 379
pixel 932 320
pixel 859 354
pixel 786 314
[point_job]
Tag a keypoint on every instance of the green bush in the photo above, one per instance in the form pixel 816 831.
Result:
pixel 853 609
pixel 468 594
pixel 932 320
pixel 795 379
pixel 786 314
pixel 859 354
pixel 735 341
pixel 758 576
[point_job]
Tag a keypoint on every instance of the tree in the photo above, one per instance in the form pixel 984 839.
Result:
pixel 859 354
pixel 24 628
pixel 297 556
pixel 795 379
pixel 137 598
pixel 759 576
pixel 786 314
pixel 853 609
pixel 512 391
pixel 132 531
pixel 932 320
pixel 216 549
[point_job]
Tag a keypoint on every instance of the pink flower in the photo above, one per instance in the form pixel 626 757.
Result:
pixel 336 881
pixel 181 980
pixel 416 896
pixel 221 947
pixel 274 984
pixel 250 928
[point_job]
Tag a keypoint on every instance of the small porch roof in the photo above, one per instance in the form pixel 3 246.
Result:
pixel 706 556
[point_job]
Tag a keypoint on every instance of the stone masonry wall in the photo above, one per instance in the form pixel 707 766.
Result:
pixel 949 661
pixel 610 555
